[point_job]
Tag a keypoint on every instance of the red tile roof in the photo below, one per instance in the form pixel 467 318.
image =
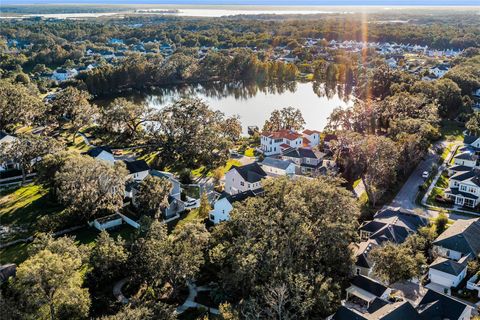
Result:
pixel 284 134
pixel 310 132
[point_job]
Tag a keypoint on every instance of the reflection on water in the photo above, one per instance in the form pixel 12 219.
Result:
pixel 253 103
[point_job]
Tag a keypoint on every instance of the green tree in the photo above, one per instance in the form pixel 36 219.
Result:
pixel 73 104
pixel 152 195
pixel 473 124
pixel 108 257
pixel 287 257
pixel 88 186
pixel 26 149
pixel 51 281
pixel 393 263
pixel 449 98
pixel 18 105
pixel 287 118
pixel 441 222
pixel 125 116
pixel 205 208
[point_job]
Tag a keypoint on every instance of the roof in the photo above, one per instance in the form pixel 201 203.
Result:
pixel 310 132
pixel 470 139
pixel 460 168
pixel 284 134
pixel 376 304
pixel 402 310
pixel 137 166
pixel 238 196
pixel 7 271
pixel 393 224
pixel 435 306
pixel 251 172
pixel 94 152
pixel 462 236
pixel 304 153
pixel 448 266
pixel 344 313
pixel 456 191
pixel 465 156
pixel 369 285
pixel 276 163
pixel 472 176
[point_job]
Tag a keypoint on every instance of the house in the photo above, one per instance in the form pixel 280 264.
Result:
pixel 459 240
pixel 439 70
pixel 363 265
pixel 138 169
pixel 367 289
pixel 392 224
pixel 472 141
pixel 467 158
pixel 277 167
pixel 276 142
pixel 311 138
pixel 308 160
pixel 224 205
pixel 244 178
pixel 64 74
pixel 102 153
pixel 464 188
pixel 435 305
pixel 4 139
pixel 447 273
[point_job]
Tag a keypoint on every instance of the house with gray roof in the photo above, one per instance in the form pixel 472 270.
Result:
pixel 464 188
pixel 102 153
pixel 243 178
pixel 447 273
pixel 278 167
pixel 461 239
pixel 392 224
pixel 435 305
pixel 308 160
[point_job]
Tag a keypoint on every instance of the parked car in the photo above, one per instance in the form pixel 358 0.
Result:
pixel 425 175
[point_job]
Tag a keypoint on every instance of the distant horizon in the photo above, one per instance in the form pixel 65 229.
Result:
pixel 280 3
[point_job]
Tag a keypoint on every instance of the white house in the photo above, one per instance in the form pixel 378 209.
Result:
pixel 277 167
pixel 102 154
pixel 464 188
pixel 474 283
pixel 447 273
pixel 311 138
pixel 276 142
pixel 308 160
pixel 64 74
pixel 138 169
pixel 224 205
pixel 244 178
pixel 459 240
pixel 466 158
pixel 4 139
pixel 472 141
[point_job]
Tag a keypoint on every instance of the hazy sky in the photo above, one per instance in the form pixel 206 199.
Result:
pixel 261 2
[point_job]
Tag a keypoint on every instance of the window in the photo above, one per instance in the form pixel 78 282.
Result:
pixel 463 188
pixel 358 271
pixel 212 217
pixel 241 183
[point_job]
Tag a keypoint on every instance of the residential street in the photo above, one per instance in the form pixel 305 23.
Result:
pixel 407 195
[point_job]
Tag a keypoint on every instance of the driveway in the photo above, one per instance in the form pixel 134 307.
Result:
pixel 407 195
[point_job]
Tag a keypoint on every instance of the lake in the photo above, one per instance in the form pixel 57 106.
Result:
pixel 253 103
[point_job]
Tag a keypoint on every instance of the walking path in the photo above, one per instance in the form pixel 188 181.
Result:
pixel 193 290
pixel 117 290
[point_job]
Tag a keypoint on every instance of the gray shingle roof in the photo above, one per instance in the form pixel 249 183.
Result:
pixel 438 306
pixel 137 166
pixel 276 163
pixel 369 285
pixel 463 236
pixel 251 172
pixel 469 139
pixel 94 152
pixel 448 266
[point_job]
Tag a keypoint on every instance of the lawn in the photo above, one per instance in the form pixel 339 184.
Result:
pixel 200 172
pixel 192 215
pixel 22 208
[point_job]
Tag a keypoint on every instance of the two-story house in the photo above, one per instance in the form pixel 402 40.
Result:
pixel 277 167
pixel 464 188
pixel 224 205
pixel 308 160
pixel 272 143
pixel 461 239
pixel 138 169
pixel 311 138
pixel 243 178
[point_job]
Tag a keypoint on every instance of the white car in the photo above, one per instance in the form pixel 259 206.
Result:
pixel 425 174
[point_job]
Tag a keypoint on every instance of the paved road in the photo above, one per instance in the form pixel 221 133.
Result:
pixel 407 195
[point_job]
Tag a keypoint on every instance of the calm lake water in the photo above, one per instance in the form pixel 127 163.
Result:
pixel 253 104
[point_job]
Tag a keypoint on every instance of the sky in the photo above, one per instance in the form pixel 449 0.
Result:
pixel 261 2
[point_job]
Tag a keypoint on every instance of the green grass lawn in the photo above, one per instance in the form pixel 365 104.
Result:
pixel 24 206
pixel 192 215
pixel 200 172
